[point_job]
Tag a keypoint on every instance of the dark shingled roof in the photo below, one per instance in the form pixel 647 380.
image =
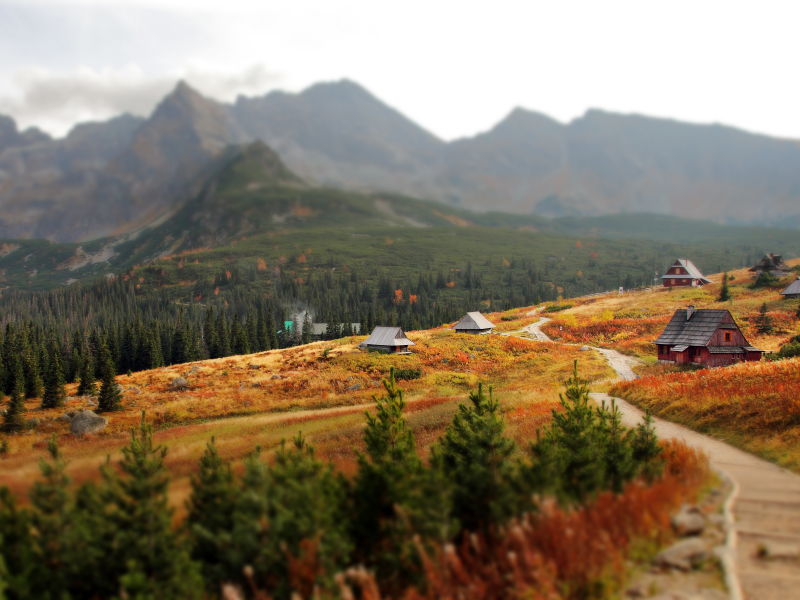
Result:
pixel 697 331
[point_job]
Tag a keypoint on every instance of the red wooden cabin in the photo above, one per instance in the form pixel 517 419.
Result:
pixel 706 337
pixel 683 273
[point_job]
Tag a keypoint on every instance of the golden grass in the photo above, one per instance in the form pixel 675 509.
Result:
pixel 305 388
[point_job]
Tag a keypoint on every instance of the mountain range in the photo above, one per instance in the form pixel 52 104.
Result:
pixel 115 177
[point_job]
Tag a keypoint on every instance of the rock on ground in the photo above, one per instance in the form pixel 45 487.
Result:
pixel 87 422
pixel 682 555
pixel 689 521
pixel 179 383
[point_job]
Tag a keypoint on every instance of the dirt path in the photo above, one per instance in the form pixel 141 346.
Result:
pixel 536 332
pixel 765 507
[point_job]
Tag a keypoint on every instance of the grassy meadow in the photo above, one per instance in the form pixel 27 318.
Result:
pixel 321 388
pixel 630 322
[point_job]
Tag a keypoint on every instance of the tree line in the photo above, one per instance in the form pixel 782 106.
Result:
pixel 291 524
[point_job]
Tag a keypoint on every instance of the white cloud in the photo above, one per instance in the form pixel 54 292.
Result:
pixel 54 101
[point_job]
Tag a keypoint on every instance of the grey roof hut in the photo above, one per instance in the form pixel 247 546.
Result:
pixel 772 264
pixel 793 291
pixel 387 339
pixel 474 322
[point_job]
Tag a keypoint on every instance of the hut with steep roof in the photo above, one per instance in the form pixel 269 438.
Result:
pixel 391 340
pixel 772 264
pixel 793 291
pixel 683 273
pixel 475 323
pixel 704 337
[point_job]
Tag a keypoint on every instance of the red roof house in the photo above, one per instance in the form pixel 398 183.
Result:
pixel 683 273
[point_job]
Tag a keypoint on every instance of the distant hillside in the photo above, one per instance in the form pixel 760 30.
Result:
pixel 114 177
pixel 246 205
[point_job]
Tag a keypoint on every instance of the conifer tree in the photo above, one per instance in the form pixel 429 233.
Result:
pixel 645 447
pixel 306 329
pixel 30 363
pixel 152 561
pixel 224 337
pixel 14 419
pixel 797 313
pixel 180 342
pixel 251 332
pixel 764 321
pixel 724 292
pixel 239 341
pixel 392 478
pixel 110 397
pixel 87 385
pixel 261 332
pixel 52 500
pixel 54 390
pixel 474 453
pixel 212 508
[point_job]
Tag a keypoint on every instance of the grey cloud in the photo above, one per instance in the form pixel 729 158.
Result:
pixel 56 101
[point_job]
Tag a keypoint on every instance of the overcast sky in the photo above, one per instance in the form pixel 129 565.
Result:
pixel 454 67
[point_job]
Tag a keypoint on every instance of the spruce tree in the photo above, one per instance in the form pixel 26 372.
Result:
pixel 306 329
pixel 52 501
pixel 212 508
pixel 110 397
pixel 87 385
pixel 224 337
pixel 239 338
pixel 474 454
pixel 29 356
pixel 180 343
pixel 394 495
pixel 54 390
pixel 764 321
pixel 724 292
pixel 14 419
pixel 152 560
pixel 261 332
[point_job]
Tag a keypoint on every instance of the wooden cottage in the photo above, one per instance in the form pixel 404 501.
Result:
pixel 772 264
pixel 683 273
pixel 474 322
pixel 793 291
pixel 704 337
pixel 387 339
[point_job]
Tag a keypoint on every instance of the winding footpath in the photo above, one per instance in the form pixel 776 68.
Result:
pixel 764 508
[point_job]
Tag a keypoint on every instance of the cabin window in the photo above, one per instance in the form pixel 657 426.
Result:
pixel 727 336
pixel 683 281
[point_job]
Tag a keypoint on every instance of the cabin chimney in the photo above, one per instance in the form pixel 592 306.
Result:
pixel 689 312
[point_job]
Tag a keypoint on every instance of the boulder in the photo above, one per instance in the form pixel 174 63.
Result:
pixel 86 422
pixel 354 387
pixel 194 370
pixel 34 422
pixel 585 348
pixel 119 388
pixel 682 555
pixel 3 412
pixel 254 367
pixel 689 521
pixel 134 390
pixel 275 377
pixel 179 383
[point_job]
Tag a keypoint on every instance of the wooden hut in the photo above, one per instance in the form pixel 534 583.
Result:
pixel 474 322
pixel 705 337
pixel 387 339
pixel 683 273
pixel 772 264
pixel 793 291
